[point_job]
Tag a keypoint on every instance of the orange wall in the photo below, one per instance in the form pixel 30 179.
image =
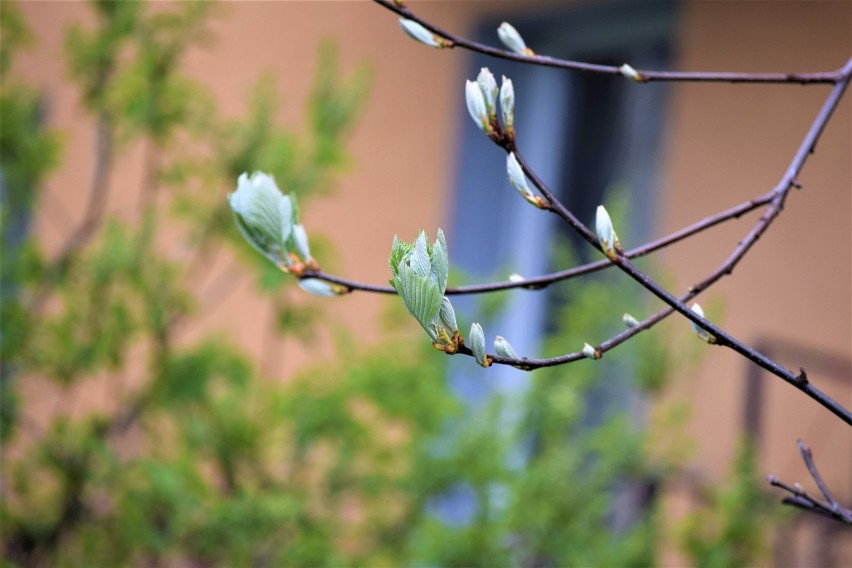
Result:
pixel 728 143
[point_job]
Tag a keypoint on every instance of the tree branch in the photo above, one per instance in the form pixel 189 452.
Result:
pixel 93 215
pixel 539 282
pixel 798 380
pixel 780 192
pixel 644 76
pixel 548 201
pixel 801 499
pixel 776 199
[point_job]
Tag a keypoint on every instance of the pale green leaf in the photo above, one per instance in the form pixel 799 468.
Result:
pixel 447 315
pixel 285 211
pixel 440 263
pixel 421 296
pixel 258 240
pixel 477 342
pixel 419 257
pixel 398 251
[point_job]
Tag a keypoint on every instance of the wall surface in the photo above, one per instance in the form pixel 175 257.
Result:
pixel 729 143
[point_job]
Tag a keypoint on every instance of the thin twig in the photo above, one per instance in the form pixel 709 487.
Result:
pixel 93 215
pixel 803 500
pixel 776 198
pixel 453 40
pixel 543 281
pixel 721 337
pixel 781 191
pixel 779 194
pixel 807 457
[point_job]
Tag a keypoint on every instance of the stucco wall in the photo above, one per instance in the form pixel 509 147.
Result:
pixel 728 143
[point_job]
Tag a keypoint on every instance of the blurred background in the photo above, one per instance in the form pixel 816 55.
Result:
pixel 170 398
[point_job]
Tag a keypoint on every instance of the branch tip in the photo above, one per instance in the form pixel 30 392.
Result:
pixel 803 500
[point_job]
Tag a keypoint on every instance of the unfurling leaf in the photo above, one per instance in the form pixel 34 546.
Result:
pixel 263 215
pixel 419 274
pixel 269 221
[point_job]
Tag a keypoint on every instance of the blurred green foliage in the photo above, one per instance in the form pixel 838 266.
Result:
pixel 204 461
pixel 731 532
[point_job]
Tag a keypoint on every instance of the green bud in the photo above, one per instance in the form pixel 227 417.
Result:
pixel 591 352
pixel 517 177
pixel 504 349
pixel 319 287
pixel 631 73
pixel 300 243
pixel 447 315
pixel 507 105
pixel 606 234
pixel 477 345
pixel 418 32
pixel 476 106
pixel 488 86
pixel 512 39
pixel 264 215
pixel 419 274
pixel 702 334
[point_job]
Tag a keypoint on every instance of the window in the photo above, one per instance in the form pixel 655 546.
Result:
pixel 583 134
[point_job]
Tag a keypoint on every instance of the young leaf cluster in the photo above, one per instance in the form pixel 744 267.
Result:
pixel 269 221
pixel 420 272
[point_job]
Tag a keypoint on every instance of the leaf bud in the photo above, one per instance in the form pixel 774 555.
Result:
pixel 419 33
pixel 420 274
pixel 503 348
pixel 477 345
pixel 631 73
pixel 519 180
pixel 488 86
pixel 507 106
pixel 606 234
pixel 702 334
pixel 447 315
pixel 512 39
pixel 319 287
pixel 264 215
pixel 476 106
pixel 300 239
pixel 591 352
